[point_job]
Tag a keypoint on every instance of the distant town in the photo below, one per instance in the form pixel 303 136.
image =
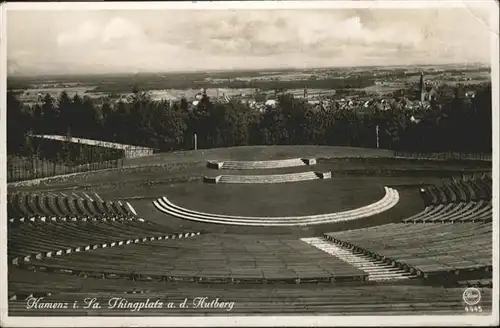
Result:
pixel 354 89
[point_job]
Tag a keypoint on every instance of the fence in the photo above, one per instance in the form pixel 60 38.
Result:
pixel 89 147
pixel 445 156
pixel 27 168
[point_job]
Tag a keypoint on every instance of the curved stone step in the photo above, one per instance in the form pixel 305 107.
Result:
pixel 271 178
pixel 390 199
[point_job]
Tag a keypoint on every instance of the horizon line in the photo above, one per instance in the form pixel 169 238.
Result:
pixel 278 69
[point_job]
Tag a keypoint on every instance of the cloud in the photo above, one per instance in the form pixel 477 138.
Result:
pixel 178 40
pixel 86 32
pixel 315 34
pixel 117 31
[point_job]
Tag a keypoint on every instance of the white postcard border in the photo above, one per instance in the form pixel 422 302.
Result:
pixel 256 321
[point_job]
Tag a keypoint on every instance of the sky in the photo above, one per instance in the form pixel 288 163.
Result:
pixel 113 41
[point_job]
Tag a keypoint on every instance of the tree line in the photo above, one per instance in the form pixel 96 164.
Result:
pixel 450 124
pixel 271 84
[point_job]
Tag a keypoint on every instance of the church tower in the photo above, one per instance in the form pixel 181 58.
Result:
pixel 422 87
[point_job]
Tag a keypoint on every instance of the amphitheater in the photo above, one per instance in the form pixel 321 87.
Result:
pixel 275 230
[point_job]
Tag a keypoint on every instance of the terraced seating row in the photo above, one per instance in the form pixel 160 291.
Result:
pixel 272 178
pixel 426 249
pixel 213 258
pixel 476 175
pixel 252 165
pixel 390 199
pixel 481 211
pixel 488 283
pixel 459 191
pixel 23 207
pixel 255 299
pixel 40 239
pixel 23 282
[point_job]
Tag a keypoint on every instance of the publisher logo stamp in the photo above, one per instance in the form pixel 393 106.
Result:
pixel 471 296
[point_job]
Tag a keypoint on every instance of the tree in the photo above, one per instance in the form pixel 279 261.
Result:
pixel 65 105
pixel 164 126
pixel 450 122
pixel 49 115
pixel 17 124
pixel 184 105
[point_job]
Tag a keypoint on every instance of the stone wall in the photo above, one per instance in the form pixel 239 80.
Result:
pixel 138 152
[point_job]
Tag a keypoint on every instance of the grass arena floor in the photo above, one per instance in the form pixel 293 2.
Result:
pixel 287 199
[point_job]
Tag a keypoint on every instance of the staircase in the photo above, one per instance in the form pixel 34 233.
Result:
pixel 377 270
pixel 254 165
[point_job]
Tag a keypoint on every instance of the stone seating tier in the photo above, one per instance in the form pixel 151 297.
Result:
pixel 48 205
pixel 459 190
pixel 462 212
pixel 273 178
pixel 425 249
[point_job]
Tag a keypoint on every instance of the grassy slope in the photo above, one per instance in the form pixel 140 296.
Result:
pixel 254 153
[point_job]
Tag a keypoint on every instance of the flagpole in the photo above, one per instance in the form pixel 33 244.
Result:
pixel 376 131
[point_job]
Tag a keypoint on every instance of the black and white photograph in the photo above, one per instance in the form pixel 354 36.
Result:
pixel 257 163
